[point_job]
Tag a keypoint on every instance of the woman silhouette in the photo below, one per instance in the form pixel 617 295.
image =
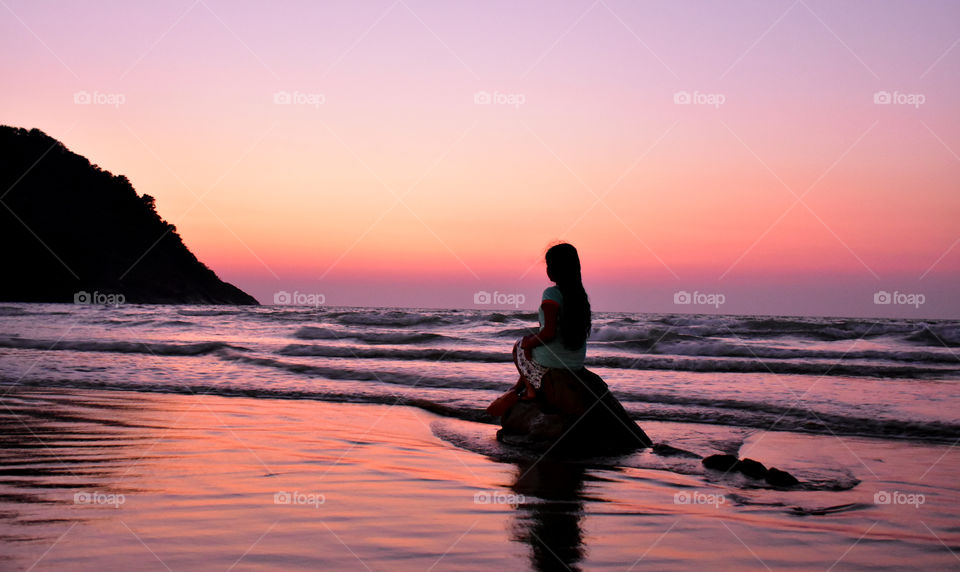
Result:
pixel 564 322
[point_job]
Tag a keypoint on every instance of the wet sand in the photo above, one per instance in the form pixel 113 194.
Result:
pixel 95 480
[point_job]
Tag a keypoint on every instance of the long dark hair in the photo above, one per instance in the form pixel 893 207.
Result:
pixel 563 267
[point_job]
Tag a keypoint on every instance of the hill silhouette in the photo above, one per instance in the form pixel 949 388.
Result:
pixel 70 227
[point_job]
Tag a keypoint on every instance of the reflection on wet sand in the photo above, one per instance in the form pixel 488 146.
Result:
pixel 549 519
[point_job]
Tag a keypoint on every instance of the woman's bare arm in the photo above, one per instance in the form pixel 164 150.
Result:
pixel 551 310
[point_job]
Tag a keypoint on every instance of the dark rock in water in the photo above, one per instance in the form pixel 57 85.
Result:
pixel 74 232
pixel 665 450
pixel 575 413
pixel 752 469
pixel 721 462
pixel 779 478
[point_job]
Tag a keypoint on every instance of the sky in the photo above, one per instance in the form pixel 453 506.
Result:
pixel 745 157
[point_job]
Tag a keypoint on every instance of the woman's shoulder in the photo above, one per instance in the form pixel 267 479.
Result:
pixel 553 293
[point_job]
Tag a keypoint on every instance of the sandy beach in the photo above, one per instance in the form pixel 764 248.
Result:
pixel 130 480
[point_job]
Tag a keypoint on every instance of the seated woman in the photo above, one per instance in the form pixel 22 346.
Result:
pixel 558 397
pixel 564 322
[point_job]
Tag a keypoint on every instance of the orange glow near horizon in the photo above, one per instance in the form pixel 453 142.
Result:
pixel 275 193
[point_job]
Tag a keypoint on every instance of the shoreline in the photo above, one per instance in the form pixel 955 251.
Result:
pixel 265 483
pixel 477 416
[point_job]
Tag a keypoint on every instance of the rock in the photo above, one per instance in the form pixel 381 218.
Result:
pixel 779 478
pixel 74 232
pixel 721 462
pixel 752 469
pixel 665 450
pixel 574 412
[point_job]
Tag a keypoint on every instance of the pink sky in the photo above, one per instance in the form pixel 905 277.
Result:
pixel 385 183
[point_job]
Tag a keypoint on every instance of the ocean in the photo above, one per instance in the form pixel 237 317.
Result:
pixel 884 378
pixel 280 437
